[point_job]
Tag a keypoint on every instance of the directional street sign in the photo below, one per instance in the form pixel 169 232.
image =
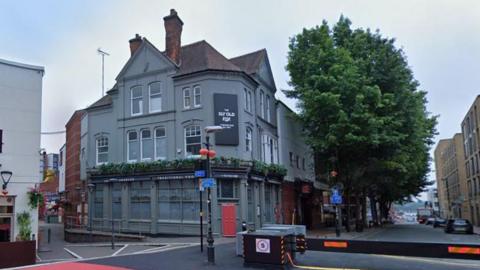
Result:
pixel 336 198
pixel 200 173
pixel 208 182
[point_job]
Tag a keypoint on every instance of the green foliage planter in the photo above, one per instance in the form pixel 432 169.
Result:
pixel 144 167
pixel 24 224
pixel 125 169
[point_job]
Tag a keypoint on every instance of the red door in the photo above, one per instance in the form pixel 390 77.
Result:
pixel 229 219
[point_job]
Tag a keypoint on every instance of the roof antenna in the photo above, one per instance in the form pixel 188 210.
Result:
pixel 103 53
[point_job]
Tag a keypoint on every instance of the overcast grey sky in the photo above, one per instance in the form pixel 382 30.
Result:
pixel 440 38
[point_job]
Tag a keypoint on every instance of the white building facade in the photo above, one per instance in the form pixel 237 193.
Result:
pixel 20 124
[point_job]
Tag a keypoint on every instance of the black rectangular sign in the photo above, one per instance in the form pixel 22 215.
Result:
pixel 225 109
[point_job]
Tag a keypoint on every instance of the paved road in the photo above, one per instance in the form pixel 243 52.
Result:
pixel 419 233
pixel 190 257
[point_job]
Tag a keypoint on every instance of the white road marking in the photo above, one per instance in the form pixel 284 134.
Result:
pixel 184 245
pixel 167 248
pixel 120 250
pixel 38 257
pixel 73 253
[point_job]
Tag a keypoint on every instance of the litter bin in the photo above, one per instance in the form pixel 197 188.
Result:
pixel 266 247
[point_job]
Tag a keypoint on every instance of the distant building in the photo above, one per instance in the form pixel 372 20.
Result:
pixel 451 177
pixel 20 123
pixel 471 145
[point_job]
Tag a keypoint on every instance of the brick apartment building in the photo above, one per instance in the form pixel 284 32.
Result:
pixel 75 194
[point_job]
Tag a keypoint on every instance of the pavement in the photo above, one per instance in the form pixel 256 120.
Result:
pixel 181 253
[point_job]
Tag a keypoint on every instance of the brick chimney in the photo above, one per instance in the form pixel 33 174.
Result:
pixel 135 43
pixel 173 33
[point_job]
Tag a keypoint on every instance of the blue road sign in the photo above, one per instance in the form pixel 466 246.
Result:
pixel 208 182
pixel 336 199
pixel 200 173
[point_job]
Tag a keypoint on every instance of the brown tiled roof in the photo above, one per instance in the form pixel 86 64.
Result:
pixel 249 62
pixel 201 56
pixel 104 101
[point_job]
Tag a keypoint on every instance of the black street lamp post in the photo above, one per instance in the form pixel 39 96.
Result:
pixel 210 240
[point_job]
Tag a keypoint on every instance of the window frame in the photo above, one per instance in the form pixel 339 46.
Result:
pixel 267 107
pixel 160 94
pixel 262 104
pixel 128 145
pixel 155 157
pixel 97 148
pixel 185 138
pixel 185 96
pixel 248 139
pixel 195 95
pixel 135 98
pixel 142 142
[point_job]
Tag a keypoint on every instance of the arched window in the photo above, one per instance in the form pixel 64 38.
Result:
pixel 132 146
pixel 155 94
pixel 146 143
pixel 193 140
pixel 102 150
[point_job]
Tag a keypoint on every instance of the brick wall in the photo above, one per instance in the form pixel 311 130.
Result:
pixel 288 201
pixel 73 185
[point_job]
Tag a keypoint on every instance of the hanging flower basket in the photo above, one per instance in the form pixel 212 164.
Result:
pixel 35 197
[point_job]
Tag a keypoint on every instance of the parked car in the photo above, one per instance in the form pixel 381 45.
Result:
pixel 430 221
pixel 459 225
pixel 439 222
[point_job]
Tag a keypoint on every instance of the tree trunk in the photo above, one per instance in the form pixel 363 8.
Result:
pixel 373 209
pixel 364 210
pixel 358 213
pixel 347 209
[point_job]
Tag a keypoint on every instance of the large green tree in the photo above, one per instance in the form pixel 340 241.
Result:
pixel 363 113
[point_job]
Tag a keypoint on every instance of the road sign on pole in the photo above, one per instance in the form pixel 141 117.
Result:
pixel 208 182
pixel 200 173
pixel 335 198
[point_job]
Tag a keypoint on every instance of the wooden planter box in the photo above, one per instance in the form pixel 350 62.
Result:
pixel 20 253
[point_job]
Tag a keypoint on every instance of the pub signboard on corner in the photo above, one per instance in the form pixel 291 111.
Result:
pixel 225 108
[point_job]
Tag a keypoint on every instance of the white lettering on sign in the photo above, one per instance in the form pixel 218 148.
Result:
pixel 262 245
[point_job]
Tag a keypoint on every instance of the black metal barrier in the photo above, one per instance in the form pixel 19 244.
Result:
pixel 415 249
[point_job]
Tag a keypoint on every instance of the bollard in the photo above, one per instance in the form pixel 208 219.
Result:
pixel 49 234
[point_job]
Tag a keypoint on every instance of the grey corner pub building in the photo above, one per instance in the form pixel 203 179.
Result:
pixel 139 143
